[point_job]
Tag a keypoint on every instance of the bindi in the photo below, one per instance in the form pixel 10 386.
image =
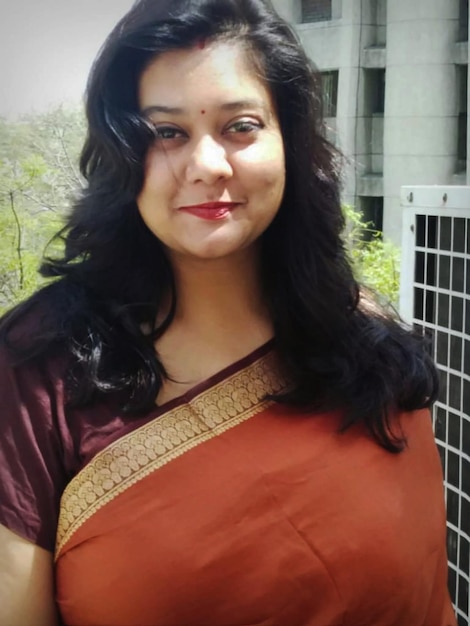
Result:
pixel 203 112
pixel 201 44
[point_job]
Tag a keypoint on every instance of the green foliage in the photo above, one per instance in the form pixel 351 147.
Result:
pixel 38 179
pixel 376 261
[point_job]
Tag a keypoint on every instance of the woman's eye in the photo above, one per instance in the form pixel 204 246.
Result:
pixel 244 126
pixel 167 132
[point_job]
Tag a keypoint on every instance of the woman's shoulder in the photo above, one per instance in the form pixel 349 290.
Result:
pixel 34 436
pixel 37 328
pixel 32 361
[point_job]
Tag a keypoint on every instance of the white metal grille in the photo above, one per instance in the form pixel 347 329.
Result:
pixel 435 298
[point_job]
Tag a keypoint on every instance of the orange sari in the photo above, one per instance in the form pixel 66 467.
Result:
pixel 229 510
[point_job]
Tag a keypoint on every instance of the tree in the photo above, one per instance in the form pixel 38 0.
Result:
pixel 38 179
pixel 376 261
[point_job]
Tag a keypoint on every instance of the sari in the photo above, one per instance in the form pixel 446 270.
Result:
pixel 226 509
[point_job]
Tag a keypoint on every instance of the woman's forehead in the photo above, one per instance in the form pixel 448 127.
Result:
pixel 219 71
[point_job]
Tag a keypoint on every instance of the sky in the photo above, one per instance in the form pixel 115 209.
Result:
pixel 47 48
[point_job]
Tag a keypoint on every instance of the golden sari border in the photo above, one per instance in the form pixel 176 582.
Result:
pixel 139 453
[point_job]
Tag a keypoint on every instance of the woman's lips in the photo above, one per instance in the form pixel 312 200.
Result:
pixel 210 210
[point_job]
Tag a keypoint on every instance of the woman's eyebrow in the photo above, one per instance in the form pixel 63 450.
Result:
pixel 243 104
pixel 225 106
pixel 159 108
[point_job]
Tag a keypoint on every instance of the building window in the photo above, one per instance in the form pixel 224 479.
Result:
pixel 462 118
pixel 463 20
pixel 374 92
pixel 330 93
pixel 316 10
pixel 380 9
pixel 378 102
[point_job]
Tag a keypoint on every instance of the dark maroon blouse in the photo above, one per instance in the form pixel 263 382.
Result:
pixel 42 445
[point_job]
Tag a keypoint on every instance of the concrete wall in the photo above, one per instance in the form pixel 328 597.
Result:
pixel 420 131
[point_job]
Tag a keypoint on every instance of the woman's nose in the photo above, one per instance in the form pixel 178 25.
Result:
pixel 208 162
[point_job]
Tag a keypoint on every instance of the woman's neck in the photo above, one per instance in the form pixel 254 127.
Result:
pixel 220 318
pixel 219 296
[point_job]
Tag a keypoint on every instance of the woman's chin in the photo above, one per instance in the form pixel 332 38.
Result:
pixel 212 248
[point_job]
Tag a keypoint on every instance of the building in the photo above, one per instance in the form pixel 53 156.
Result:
pixel 396 93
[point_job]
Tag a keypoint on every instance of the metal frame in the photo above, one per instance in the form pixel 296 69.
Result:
pixel 435 299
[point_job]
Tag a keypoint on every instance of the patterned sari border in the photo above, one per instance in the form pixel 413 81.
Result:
pixel 136 455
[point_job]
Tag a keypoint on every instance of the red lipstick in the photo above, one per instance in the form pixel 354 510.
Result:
pixel 210 210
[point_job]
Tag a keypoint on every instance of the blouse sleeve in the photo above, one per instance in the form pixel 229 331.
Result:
pixel 32 472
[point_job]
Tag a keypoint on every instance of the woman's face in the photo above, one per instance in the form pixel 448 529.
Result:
pixel 215 174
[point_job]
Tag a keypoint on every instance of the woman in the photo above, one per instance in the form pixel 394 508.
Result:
pixel 226 433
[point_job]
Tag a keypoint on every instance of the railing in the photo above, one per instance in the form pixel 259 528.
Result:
pixel 435 298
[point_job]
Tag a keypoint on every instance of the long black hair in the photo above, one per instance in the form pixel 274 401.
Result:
pixel 113 275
